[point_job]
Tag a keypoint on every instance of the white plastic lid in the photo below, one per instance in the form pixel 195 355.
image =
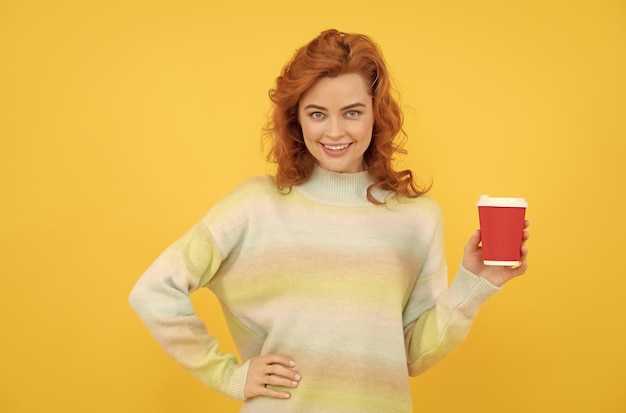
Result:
pixel 486 200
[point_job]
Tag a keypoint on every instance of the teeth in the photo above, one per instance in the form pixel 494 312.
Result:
pixel 336 147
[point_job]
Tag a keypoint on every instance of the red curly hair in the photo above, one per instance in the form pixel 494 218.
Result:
pixel 334 53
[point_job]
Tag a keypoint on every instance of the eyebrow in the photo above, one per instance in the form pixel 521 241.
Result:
pixel 351 106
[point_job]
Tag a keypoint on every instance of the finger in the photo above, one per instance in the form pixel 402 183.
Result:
pixel 266 391
pixel 275 394
pixel 279 359
pixel 283 381
pixel 277 370
pixel 519 270
pixel 523 253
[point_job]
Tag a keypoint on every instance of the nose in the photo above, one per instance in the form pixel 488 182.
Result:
pixel 334 128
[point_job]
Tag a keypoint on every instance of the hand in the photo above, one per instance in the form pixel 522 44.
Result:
pixel 272 369
pixel 496 275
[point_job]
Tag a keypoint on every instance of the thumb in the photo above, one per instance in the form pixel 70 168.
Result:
pixel 473 242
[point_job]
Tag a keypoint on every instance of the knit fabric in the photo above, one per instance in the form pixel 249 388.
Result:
pixel 356 293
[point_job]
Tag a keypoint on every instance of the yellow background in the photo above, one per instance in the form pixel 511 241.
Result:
pixel 122 122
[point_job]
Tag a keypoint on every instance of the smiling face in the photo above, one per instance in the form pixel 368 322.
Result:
pixel 337 120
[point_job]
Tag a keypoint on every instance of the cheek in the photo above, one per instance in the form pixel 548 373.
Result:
pixel 310 130
pixel 365 131
pixel 308 133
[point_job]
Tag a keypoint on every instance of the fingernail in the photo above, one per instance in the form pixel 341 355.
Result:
pixel 292 363
pixel 297 377
pixel 294 384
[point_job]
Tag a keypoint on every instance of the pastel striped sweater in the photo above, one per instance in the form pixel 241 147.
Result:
pixel 356 293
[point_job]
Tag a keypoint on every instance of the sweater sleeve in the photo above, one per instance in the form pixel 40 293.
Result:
pixel 161 299
pixel 442 328
pixel 437 318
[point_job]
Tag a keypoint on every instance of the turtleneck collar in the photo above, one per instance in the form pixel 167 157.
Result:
pixel 339 189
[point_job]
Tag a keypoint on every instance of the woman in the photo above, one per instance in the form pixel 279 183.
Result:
pixel 331 274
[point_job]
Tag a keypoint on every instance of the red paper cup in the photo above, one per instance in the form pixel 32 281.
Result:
pixel 501 229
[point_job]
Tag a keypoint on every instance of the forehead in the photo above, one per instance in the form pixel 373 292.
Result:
pixel 343 89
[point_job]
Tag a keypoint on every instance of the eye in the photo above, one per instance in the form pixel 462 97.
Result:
pixel 352 113
pixel 316 115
